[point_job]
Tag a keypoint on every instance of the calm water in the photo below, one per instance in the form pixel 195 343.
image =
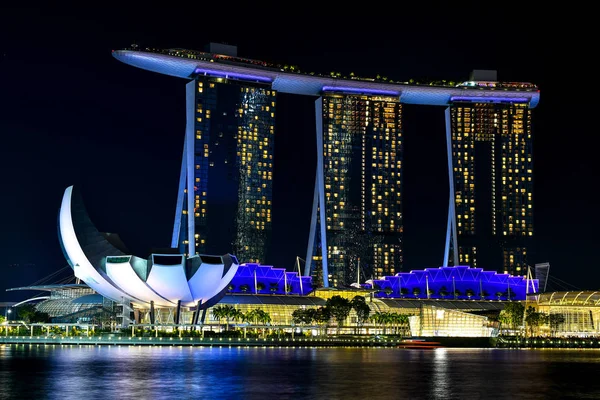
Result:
pixel 90 372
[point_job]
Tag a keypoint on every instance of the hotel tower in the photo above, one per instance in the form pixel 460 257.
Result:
pixel 225 189
pixel 491 182
pixel 359 140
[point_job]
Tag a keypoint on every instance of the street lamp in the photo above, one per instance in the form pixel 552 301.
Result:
pixel 7 314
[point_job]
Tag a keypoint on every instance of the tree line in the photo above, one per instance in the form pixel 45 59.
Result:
pixel 514 316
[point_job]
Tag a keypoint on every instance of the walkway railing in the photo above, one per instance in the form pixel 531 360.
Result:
pixel 195 341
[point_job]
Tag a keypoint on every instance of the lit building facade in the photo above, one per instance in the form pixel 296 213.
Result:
pixel 491 180
pixel 439 321
pixel 228 163
pixel 361 154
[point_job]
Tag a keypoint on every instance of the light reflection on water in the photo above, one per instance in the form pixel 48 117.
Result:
pixel 123 372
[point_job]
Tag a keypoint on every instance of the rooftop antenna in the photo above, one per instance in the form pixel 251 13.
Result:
pixel 300 275
pixel 541 273
pixel 255 283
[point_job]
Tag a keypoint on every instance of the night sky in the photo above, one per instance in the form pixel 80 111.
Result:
pixel 72 114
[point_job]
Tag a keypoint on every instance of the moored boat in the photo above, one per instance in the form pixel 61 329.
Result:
pixel 419 344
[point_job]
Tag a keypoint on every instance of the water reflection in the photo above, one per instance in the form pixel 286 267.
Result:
pixel 124 372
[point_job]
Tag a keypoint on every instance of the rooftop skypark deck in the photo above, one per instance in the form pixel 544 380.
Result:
pixel 187 64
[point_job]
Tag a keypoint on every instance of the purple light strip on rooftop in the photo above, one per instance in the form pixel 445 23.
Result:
pixel 359 90
pixel 492 99
pixel 232 75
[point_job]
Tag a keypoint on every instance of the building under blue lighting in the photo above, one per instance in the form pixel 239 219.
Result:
pixel 459 282
pixel 254 278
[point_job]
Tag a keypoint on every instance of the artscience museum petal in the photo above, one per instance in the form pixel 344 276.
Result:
pixel 164 280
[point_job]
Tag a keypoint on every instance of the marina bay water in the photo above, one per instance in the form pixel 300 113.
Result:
pixel 136 372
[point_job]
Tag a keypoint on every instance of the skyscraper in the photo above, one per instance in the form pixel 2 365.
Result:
pixel 360 160
pixel 228 165
pixel 490 150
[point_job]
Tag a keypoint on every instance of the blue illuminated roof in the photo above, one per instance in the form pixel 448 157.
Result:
pixel 458 282
pixel 188 64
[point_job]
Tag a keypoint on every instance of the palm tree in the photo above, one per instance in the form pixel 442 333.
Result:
pixel 510 294
pixel 470 293
pixel 251 317
pixel 244 288
pixel 483 294
pixel 340 309
pixel 225 311
pixel 362 310
pixel 322 316
pixel 378 319
pixel 403 321
pixel 403 292
pixel 498 295
pixel 303 317
pixel 398 320
pixel 416 291
pixel 274 287
pixel 260 286
pixel 26 312
pixel 555 321
pixel 262 316
pixel 443 292
pixel 388 290
pixel 377 287
pixel 236 315
pixel 257 316
pixel 534 318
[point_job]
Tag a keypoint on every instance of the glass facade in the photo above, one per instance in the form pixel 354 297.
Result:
pixel 579 310
pixel 362 165
pixel 493 184
pixel 436 321
pixel 233 168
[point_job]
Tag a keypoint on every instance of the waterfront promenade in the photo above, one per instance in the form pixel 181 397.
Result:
pixel 367 341
pixel 112 340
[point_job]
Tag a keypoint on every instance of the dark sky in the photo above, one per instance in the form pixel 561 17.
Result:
pixel 72 114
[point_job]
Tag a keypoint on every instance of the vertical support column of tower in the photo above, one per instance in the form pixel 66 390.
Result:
pixel 190 109
pixel 175 240
pixel 451 233
pixel 321 186
pixel 313 227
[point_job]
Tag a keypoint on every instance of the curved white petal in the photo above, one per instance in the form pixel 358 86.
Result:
pixel 125 277
pixel 170 282
pixel 84 270
pixel 224 281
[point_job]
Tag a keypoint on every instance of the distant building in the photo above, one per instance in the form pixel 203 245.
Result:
pixel 221 49
pixel 484 75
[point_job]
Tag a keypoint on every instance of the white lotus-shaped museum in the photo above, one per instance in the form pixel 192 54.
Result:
pixel 166 280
